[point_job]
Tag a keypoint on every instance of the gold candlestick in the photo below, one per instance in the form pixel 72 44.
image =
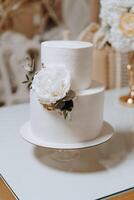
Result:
pixel 128 100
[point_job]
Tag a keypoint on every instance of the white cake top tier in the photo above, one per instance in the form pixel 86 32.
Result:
pixel 76 56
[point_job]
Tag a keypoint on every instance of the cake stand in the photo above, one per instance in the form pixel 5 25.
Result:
pixel 67 152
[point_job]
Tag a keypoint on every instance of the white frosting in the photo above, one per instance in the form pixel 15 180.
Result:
pixel 75 55
pixel 86 123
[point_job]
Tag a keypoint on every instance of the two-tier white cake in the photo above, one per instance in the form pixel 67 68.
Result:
pixel 58 115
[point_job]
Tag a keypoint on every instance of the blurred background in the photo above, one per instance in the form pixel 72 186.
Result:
pixel 25 23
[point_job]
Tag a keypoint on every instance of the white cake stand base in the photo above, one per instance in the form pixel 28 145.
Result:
pixel 67 152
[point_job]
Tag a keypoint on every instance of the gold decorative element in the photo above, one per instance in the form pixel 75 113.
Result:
pixel 127 24
pixel 128 100
pixel 49 107
pixel 63 106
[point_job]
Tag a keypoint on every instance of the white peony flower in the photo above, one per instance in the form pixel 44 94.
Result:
pixel 118 18
pixel 51 83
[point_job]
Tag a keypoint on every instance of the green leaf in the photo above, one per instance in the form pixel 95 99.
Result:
pixel 27 77
pixel 65 114
pixel 59 105
pixel 29 85
pixel 24 82
pixel 32 78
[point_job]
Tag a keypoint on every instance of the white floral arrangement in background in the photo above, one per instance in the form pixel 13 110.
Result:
pixel 52 86
pixel 117 25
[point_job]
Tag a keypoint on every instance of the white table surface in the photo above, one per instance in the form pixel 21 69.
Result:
pixel 99 171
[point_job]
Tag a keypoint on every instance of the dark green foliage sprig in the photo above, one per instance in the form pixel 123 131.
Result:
pixel 30 68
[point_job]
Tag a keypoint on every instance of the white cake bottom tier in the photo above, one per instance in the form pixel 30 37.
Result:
pixel 86 118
